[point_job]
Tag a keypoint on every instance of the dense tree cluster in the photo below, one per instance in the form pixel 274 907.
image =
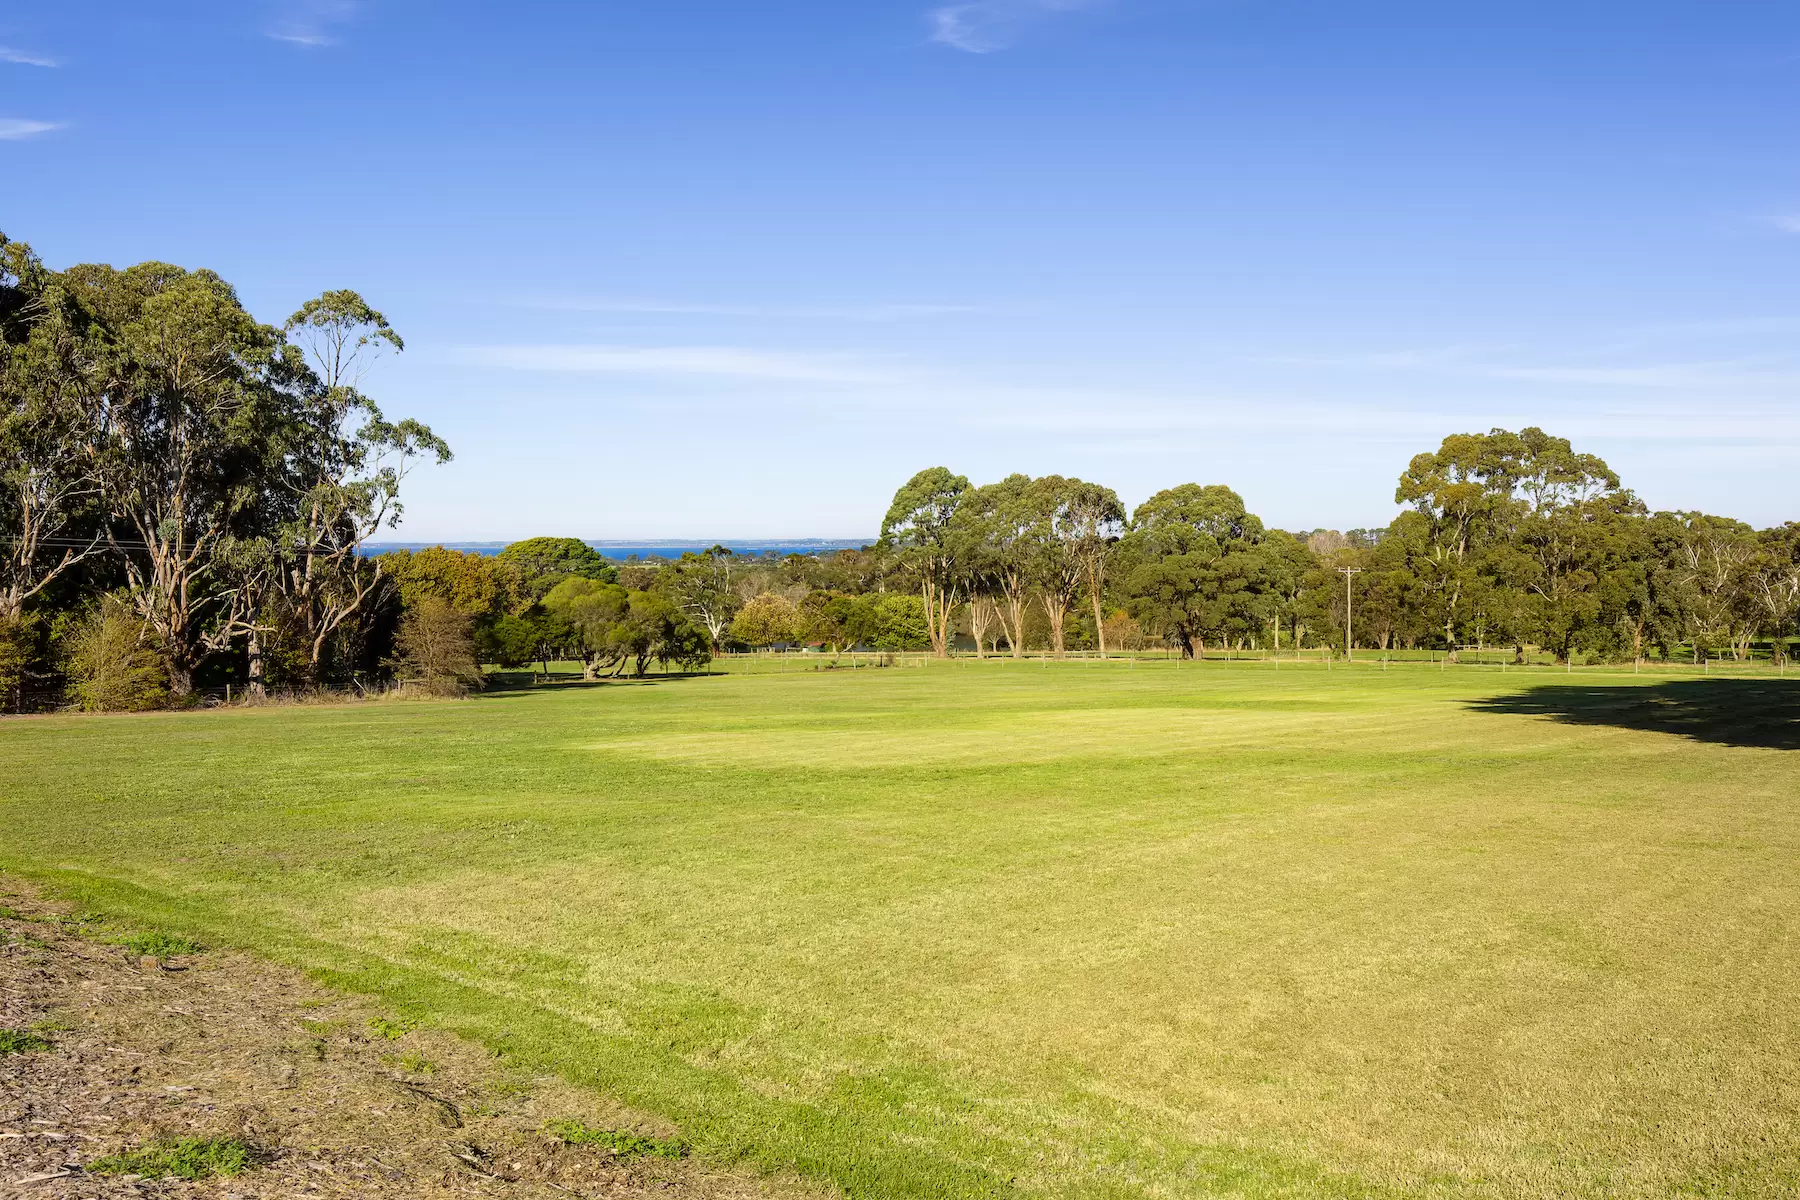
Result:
pixel 1515 539
pixel 556 599
pixel 547 599
pixel 184 490
pixel 1509 540
pixel 1506 539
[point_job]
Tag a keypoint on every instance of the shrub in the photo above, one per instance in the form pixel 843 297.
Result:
pixel 189 1158
pixel 16 643
pixel 899 623
pixel 766 620
pixel 111 664
pixel 437 649
pixel 1124 633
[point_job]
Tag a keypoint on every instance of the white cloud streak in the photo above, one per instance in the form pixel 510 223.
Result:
pixel 1786 222
pixel 868 312
pixel 304 38
pixel 734 362
pixel 25 58
pixel 1718 327
pixel 1416 359
pixel 1129 420
pixel 13 129
pixel 307 23
pixel 1465 362
pixel 983 26
pixel 1700 376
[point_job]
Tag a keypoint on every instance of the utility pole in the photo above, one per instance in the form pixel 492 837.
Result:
pixel 1347 572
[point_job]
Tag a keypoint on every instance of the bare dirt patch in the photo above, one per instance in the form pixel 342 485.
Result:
pixel 106 1052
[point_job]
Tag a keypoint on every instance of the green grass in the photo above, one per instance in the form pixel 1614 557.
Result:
pixel 189 1158
pixel 1075 930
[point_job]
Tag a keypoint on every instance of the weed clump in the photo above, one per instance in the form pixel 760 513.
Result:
pixel 392 1030
pixel 160 945
pixel 620 1142
pixel 412 1062
pixel 189 1158
pixel 20 1041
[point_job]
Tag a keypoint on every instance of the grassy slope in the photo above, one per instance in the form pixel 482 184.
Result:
pixel 972 929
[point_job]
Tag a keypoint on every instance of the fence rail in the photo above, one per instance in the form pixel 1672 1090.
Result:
pixel 35 701
pixel 1325 658
pixel 32 700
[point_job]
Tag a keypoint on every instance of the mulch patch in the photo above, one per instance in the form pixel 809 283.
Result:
pixel 330 1097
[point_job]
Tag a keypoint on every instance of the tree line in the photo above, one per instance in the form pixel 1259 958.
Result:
pixel 1510 540
pixel 1504 540
pixel 187 496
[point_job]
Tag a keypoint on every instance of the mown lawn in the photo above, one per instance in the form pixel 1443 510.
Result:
pixel 1081 930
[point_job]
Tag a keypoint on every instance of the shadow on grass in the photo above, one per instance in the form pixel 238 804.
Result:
pixel 1732 712
pixel 522 683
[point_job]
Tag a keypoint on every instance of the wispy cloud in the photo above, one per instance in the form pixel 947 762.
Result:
pixel 13 129
pixel 307 38
pixel 1786 222
pixel 308 23
pixel 1469 362
pixel 734 362
pixel 1160 422
pixel 983 26
pixel 1413 359
pixel 1699 376
pixel 845 312
pixel 25 58
pixel 1715 327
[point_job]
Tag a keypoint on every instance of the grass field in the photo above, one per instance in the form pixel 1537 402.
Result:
pixel 1078 930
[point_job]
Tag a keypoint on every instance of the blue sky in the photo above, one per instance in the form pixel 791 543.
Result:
pixel 737 269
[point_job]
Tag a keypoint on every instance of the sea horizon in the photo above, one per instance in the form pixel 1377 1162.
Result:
pixel 623 548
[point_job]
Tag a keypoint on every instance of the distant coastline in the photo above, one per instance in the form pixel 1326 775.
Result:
pixel 666 548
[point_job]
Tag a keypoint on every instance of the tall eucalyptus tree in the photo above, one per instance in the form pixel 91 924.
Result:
pixel 1054 564
pixel 920 528
pixel 190 400
pixel 345 464
pixel 1090 523
pixel 48 489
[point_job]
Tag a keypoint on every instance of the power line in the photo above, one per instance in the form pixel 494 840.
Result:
pixel 1347 572
pixel 104 543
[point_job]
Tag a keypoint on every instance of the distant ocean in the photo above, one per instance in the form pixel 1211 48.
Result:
pixel 624 550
